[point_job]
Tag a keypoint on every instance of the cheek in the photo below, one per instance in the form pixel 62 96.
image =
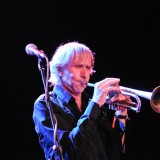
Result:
pixel 71 74
pixel 67 75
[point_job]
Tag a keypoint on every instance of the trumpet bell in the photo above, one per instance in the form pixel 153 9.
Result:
pixel 155 99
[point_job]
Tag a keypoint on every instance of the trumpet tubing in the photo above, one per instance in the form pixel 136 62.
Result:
pixel 153 96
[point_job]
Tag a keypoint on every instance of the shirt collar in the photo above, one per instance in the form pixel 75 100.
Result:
pixel 62 94
pixel 65 97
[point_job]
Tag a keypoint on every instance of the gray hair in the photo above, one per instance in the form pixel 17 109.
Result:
pixel 64 54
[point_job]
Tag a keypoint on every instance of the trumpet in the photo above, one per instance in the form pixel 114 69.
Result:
pixel 153 96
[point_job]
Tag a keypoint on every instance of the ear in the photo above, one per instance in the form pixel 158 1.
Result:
pixel 59 69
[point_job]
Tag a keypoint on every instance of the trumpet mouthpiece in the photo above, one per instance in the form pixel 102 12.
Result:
pixel 90 85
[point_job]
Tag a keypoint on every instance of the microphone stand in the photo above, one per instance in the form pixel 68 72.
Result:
pixel 45 76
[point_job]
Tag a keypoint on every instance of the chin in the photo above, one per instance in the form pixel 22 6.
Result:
pixel 79 89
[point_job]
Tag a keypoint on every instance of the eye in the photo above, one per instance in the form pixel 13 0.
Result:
pixel 89 68
pixel 78 66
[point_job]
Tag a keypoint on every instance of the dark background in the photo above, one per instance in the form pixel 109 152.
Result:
pixel 125 37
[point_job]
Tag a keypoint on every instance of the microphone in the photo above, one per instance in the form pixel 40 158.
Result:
pixel 32 50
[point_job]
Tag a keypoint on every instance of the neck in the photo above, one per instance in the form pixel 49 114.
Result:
pixel 76 96
pixel 78 101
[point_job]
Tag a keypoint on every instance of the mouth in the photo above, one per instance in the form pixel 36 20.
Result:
pixel 82 82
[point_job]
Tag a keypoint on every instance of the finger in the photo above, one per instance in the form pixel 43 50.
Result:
pixel 108 82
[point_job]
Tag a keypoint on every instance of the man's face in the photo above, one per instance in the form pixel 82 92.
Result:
pixel 76 74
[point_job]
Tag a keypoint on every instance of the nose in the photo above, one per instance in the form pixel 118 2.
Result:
pixel 84 72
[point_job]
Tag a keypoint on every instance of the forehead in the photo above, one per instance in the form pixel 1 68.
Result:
pixel 82 58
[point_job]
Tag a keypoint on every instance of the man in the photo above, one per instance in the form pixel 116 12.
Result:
pixel 79 127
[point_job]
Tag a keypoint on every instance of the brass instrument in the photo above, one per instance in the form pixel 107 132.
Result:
pixel 153 96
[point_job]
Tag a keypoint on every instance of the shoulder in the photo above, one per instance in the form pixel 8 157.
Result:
pixel 40 98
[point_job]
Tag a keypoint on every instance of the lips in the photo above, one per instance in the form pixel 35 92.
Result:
pixel 82 82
